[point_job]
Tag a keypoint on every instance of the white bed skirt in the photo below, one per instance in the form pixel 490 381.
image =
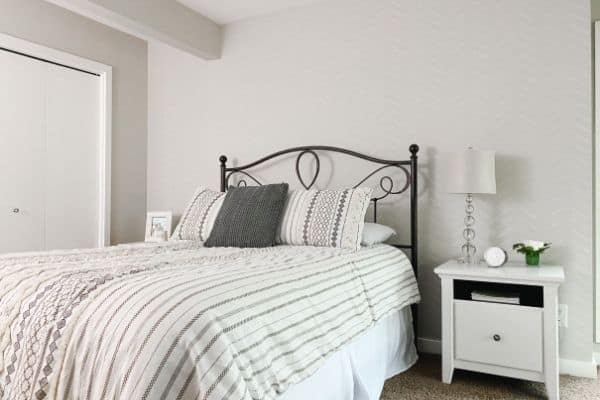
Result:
pixel 358 370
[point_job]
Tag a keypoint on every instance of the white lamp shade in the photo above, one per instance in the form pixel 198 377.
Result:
pixel 471 171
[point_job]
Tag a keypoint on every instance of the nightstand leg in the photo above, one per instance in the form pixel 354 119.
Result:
pixel 447 330
pixel 551 342
pixel 447 372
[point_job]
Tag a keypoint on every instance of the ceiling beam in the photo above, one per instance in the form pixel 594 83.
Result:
pixel 163 20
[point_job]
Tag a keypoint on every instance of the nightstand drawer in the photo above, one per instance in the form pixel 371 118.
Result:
pixel 498 334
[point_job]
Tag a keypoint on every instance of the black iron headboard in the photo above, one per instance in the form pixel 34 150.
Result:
pixel 386 183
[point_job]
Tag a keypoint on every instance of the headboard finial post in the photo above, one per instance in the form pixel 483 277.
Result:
pixel 414 149
pixel 413 207
pixel 414 234
pixel 223 160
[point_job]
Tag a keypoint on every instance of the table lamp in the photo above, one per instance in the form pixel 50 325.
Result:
pixel 471 172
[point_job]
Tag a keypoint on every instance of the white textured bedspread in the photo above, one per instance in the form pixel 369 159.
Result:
pixel 180 321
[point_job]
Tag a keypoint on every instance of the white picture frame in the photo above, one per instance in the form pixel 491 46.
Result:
pixel 155 221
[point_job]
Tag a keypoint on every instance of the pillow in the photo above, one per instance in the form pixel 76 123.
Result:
pixel 249 217
pixel 329 218
pixel 376 233
pixel 197 221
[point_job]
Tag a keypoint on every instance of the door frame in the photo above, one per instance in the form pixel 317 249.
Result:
pixel 105 75
pixel 596 137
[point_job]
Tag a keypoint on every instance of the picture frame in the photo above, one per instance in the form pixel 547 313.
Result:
pixel 158 222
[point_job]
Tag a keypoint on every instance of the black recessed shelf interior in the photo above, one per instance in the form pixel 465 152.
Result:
pixel 532 296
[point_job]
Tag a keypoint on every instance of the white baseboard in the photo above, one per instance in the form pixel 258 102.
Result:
pixel 581 369
pixel 597 359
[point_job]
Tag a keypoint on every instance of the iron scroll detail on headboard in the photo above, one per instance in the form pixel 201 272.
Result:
pixel 386 183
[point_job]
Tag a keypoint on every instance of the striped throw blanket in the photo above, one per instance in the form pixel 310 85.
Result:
pixel 180 321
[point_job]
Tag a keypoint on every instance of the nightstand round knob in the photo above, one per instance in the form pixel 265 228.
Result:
pixel 497 338
pixel 16 210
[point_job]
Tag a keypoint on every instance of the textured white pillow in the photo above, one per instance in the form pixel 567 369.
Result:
pixel 327 218
pixel 376 233
pixel 197 221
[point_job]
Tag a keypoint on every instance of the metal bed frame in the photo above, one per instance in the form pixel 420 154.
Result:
pixel 386 184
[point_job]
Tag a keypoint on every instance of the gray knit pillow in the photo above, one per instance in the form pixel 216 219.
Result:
pixel 249 217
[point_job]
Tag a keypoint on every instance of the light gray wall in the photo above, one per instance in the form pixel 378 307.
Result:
pixel 52 26
pixel 377 76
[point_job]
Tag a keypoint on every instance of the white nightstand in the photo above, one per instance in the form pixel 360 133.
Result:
pixel 519 341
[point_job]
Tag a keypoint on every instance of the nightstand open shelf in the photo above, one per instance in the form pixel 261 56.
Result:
pixel 530 295
pixel 514 340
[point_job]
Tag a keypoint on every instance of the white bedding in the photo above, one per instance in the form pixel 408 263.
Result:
pixel 180 321
pixel 358 370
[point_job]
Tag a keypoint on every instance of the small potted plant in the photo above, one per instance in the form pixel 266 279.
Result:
pixel 532 250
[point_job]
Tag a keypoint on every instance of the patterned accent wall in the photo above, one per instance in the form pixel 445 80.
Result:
pixel 511 76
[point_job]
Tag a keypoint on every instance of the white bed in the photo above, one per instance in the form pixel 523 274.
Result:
pixel 181 321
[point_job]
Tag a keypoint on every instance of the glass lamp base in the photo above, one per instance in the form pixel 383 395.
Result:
pixel 468 249
pixel 469 261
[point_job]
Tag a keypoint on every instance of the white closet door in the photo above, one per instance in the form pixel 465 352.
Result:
pixel 72 166
pixel 49 168
pixel 22 147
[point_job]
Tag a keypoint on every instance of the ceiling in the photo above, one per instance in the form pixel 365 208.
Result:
pixel 227 11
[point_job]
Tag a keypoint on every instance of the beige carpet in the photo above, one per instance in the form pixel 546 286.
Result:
pixel 423 382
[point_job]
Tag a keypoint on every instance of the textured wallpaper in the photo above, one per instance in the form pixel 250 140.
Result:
pixel 510 76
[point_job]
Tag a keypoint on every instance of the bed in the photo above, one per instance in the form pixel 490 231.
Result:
pixel 182 321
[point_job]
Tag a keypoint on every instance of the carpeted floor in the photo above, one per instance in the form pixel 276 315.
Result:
pixel 423 382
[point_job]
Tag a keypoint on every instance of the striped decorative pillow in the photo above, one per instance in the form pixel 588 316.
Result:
pixel 197 221
pixel 329 218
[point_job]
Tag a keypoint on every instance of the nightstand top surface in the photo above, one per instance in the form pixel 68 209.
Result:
pixel 510 272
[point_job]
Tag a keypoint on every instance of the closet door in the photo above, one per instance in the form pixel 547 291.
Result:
pixel 49 150
pixel 72 166
pixel 22 153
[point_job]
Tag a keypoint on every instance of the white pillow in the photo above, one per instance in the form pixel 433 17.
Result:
pixel 375 233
